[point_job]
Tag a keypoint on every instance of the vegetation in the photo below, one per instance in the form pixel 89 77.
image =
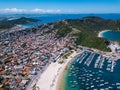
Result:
pixel 35 87
pixel 94 24
pixel 1 79
pixel 6 24
pixel 2 85
pixel 6 61
pixel 23 45
pixel 34 30
pixel 62 29
pixel 67 54
pixel 89 40
pixel 5 87
pixel 88 28
pixel 60 61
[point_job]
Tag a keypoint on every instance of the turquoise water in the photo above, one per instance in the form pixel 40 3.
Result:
pixel 111 35
pixel 86 72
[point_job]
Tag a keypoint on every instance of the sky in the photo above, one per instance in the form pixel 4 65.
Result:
pixel 60 6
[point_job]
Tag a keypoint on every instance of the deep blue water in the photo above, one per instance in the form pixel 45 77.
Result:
pixel 84 76
pixel 111 35
pixel 47 18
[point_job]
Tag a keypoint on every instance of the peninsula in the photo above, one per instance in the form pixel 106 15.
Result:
pixel 8 24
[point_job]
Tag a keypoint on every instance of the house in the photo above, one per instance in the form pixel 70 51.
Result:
pixel 33 72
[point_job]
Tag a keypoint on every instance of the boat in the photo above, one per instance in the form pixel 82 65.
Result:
pixel 97 81
pixel 106 83
pixel 92 86
pixel 101 84
pixel 118 87
pixel 118 84
pixel 110 87
pixel 73 86
pixel 101 80
pixel 87 88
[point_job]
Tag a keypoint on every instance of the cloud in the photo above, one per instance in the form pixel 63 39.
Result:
pixel 12 10
pixel 36 10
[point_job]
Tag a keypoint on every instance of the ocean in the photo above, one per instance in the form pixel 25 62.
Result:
pixel 48 18
pixel 91 71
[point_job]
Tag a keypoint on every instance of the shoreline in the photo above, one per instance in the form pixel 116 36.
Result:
pixel 61 81
pixel 100 34
pixel 51 77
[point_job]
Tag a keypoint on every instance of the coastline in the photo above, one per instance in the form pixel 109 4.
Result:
pixel 51 77
pixel 100 34
pixel 61 81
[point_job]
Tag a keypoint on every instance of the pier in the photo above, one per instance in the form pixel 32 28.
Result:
pixel 97 61
pixel 83 57
pixel 89 59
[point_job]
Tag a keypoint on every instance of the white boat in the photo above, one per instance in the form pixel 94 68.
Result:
pixel 92 86
pixel 101 84
pixel 118 87
pixel 118 84
pixel 87 88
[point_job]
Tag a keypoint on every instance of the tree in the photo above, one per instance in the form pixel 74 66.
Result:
pixel 23 45
pixel 1 79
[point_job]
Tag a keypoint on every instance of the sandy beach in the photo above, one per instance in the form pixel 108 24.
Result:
pixel 101 32
pixel 51 77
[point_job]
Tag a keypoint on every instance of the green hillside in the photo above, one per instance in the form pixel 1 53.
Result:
pixel 6 24
pixel 88 28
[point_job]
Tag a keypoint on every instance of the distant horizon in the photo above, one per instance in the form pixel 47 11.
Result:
pixel 60 6
pixel 55 12
pixel 51 13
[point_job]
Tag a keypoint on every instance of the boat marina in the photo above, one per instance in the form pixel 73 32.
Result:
pixel 91 70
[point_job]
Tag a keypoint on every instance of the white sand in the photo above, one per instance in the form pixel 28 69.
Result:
pixel 101 32
pixel 49 78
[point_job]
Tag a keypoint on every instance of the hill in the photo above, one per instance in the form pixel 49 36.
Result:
pixel 82 31
pixel 6 24
pixel 87 30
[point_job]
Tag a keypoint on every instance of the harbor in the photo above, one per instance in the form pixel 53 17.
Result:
pixel 92 71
